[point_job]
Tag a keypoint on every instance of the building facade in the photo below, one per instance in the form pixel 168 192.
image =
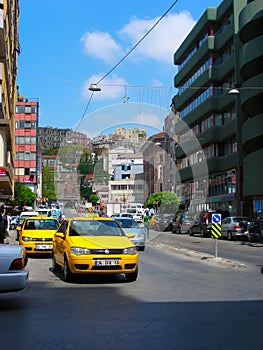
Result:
pixel 50 137
pixel 213 144
pixel 154 163
pixel 27 162
pixel 9 51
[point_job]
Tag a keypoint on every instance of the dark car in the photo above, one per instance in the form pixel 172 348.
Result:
pixel 203 220
pixel 182 223
pixel 163 222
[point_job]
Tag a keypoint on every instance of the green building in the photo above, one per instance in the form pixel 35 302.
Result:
pixel 220 129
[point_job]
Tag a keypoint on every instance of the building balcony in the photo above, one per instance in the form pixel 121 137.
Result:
pixel 194 61
pixel 212 104
pixel 252 134
pixel 250 21
pixel 214 165
pixel 251 96
pixel 251 57
pixel 208 17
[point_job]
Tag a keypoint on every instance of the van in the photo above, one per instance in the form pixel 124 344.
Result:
pixel 44 211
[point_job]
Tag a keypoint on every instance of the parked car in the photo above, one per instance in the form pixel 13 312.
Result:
pixel 203 221
pixel 36 234
pixel 182 223
pixel 14 222
pixel 129 225
pixel 13 272
pixel 163 222
pixel 94 245
pixel 235 227
pixel 138 217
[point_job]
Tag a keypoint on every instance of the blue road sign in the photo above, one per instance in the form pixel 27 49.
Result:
pixel 216 218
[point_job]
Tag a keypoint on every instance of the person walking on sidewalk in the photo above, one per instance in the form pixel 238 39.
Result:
pixel 146 219
pixel 2 224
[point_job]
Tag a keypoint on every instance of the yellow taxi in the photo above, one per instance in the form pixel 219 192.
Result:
pixel 36 234
pixel 94 245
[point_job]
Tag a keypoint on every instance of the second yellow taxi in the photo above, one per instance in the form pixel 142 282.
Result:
pixel 36 234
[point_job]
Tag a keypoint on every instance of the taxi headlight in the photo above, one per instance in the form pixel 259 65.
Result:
pixel 27 239
pixel 130 250
pixel 79 251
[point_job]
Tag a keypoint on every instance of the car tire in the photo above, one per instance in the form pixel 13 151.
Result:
pixel 67 274
pixel 56 267
pixel 132 277
pixel 142 248
pixel 190 232
pixel 229 235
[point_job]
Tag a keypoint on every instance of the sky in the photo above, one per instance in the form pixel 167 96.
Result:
pixel 66 46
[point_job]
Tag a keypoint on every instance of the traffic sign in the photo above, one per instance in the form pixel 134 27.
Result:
pixel 216 218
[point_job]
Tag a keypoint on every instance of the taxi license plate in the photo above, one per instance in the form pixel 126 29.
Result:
pixel 106 262
pixel 43 246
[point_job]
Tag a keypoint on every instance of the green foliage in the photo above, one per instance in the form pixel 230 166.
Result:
pixel 167 202
pixel 48 185
pixel 86 163
pixel 94 198
pixel 23 195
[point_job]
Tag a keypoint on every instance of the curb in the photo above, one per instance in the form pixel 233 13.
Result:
pixel 200 256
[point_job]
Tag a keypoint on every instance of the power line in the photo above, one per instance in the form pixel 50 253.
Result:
pixel 134 47
pixel 127 54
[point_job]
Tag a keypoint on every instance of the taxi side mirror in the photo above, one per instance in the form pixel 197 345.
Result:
pixel 60 235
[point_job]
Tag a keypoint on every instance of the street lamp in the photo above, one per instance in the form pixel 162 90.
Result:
pixel 94 87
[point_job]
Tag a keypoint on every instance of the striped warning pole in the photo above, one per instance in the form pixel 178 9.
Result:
pixel 216 230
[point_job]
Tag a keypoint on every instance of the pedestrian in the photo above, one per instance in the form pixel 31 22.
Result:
pixel 2 224
pixel 146 219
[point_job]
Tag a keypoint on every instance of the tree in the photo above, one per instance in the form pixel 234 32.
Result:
pixel 166 202
pixel 94 198
pixel 86 163
pixel 48 185
pixel 23 195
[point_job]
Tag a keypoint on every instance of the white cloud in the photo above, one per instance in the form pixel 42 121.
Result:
pixel 163 40
pixel 159 45
pixel 101 45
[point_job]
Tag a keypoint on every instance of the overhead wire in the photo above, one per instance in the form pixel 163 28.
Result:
pixel 128 53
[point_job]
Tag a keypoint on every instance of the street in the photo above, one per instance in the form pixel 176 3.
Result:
pixel 178 302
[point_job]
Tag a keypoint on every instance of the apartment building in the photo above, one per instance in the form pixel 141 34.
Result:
pixel 50 137
pixel 27 159
pixel 9 51
pixel 219 129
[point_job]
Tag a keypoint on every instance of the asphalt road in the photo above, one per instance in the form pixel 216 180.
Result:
pixel 239 251
pixel 178 302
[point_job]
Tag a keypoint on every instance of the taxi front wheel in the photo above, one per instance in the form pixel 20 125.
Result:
pixel 56 267
pixel 68 275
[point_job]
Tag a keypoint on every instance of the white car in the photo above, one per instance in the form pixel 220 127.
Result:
pixel 129 225
pixel 13 272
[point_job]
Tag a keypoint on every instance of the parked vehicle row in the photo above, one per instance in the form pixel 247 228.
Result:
pixel 232 227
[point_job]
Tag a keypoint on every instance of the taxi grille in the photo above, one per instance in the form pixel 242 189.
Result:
pixel 42 239
pixel 106 251
pixel 106 268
